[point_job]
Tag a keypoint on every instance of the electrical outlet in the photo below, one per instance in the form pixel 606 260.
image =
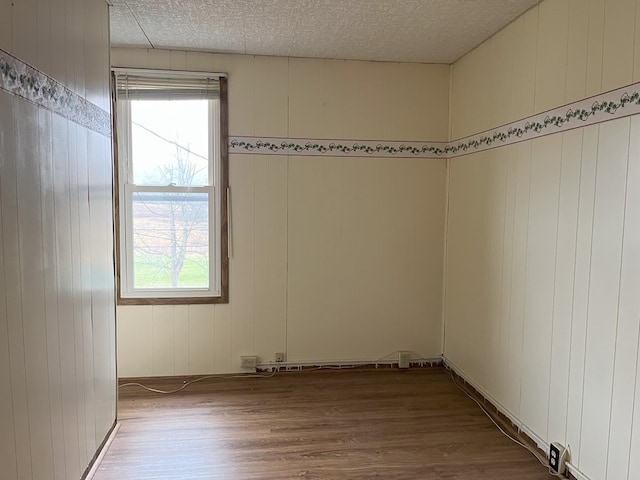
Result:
pixel 404 359
pixel 279 357
pixel 248 361
pixel 557 458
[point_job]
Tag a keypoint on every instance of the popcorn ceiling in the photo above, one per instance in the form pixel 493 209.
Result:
pixel 424 31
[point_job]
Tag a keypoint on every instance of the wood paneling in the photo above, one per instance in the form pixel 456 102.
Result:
pixel 571 372
pixel 347 425
pixel 57 326
pixel 322 220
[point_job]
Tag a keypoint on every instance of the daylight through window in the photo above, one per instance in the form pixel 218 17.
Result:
pixel 171 186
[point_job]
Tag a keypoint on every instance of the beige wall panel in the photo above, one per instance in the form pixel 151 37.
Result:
pixel 94 61
pixel 466 266
pixel 145 58
pixel 197 61
pixel 509 154
pixel 335 99
pixel 459 74
pixel 628 324
pixel 581 288
pixel 564 281
pixel 313 305
pixel 577 50
pixel 619 35
pixel 77 46
pixel 58 69
pixel 222 336
pixel 50 273
pixel 201 339
pixel 180 338
pixel 595 43
pixel 85 300
pixel 12 272
pixel 551 63
pixel 634 453
pixel 154 58
pixel 604 286
pixel 523 157
pixel 162 340
pixel 627 282
pixel 241 95
pixel 177 60
pixel 135 357
pixel 502 57
pixel 495 228
pixel 309 99
pixel 468 114
pixel 316 98
pixel 242 263
pixel 78 319
pixel 25 21
pixel 525 65
pixel 541 249
pixel 271 87
pixel 32 287
pixel 270 255
pixel 43 27
pixel 102 275
pixel 61 350
pixel 636 55
pixel 346 216
pixel 10 365
pixel 6 26
pixel 64 284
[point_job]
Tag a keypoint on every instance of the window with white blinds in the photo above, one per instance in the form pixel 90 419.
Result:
pixel 172 186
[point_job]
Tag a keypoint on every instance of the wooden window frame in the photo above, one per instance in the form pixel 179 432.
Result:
pixel 223 211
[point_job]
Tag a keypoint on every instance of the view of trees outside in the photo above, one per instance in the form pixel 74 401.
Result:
pixel 170 146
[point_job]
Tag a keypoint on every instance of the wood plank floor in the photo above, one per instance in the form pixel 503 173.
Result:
pixel 348 424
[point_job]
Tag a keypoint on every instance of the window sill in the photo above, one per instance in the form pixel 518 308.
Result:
pixel 173 301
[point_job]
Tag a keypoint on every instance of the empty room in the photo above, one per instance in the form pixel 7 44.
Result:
pixel 319 239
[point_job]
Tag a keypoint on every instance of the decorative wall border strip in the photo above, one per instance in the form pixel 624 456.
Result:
pixel 335 148
pixel 22 80
pixel 619 103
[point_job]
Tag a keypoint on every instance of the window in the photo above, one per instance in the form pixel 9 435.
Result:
pixel 172 187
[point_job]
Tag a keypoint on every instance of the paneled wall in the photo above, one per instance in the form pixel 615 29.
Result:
pixel 333 258
pixel 543 240
pixel 57 310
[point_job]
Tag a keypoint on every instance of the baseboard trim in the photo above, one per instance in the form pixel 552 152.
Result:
pixel 286 367
pixel 507 418
pixel 91 470
pixel 347 364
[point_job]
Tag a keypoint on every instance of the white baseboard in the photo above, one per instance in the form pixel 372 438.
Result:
pixel 103 452
pixel 345 364
pixel 519 424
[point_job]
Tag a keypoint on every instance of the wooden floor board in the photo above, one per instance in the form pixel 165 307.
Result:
pixel 358 424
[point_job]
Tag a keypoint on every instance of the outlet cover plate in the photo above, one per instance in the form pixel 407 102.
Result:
pixel 248 361
pixel 404 359
pixel 557 458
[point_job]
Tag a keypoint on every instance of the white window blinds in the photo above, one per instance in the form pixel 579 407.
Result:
pixel 141 85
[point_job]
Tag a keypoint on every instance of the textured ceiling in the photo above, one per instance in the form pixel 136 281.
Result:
pixel 426 31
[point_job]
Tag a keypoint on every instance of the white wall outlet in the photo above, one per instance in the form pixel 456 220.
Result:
pixel 248 361
pixel 404 359
pixel 279 356
pixel 557 458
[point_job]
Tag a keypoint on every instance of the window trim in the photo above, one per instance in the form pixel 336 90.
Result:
pixel 220 190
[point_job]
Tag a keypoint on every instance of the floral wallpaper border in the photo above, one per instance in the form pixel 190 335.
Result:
pixel 334 148
pixel 24 81
pixel 619 103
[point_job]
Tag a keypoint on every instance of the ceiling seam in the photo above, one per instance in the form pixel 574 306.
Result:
pixel 139 26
